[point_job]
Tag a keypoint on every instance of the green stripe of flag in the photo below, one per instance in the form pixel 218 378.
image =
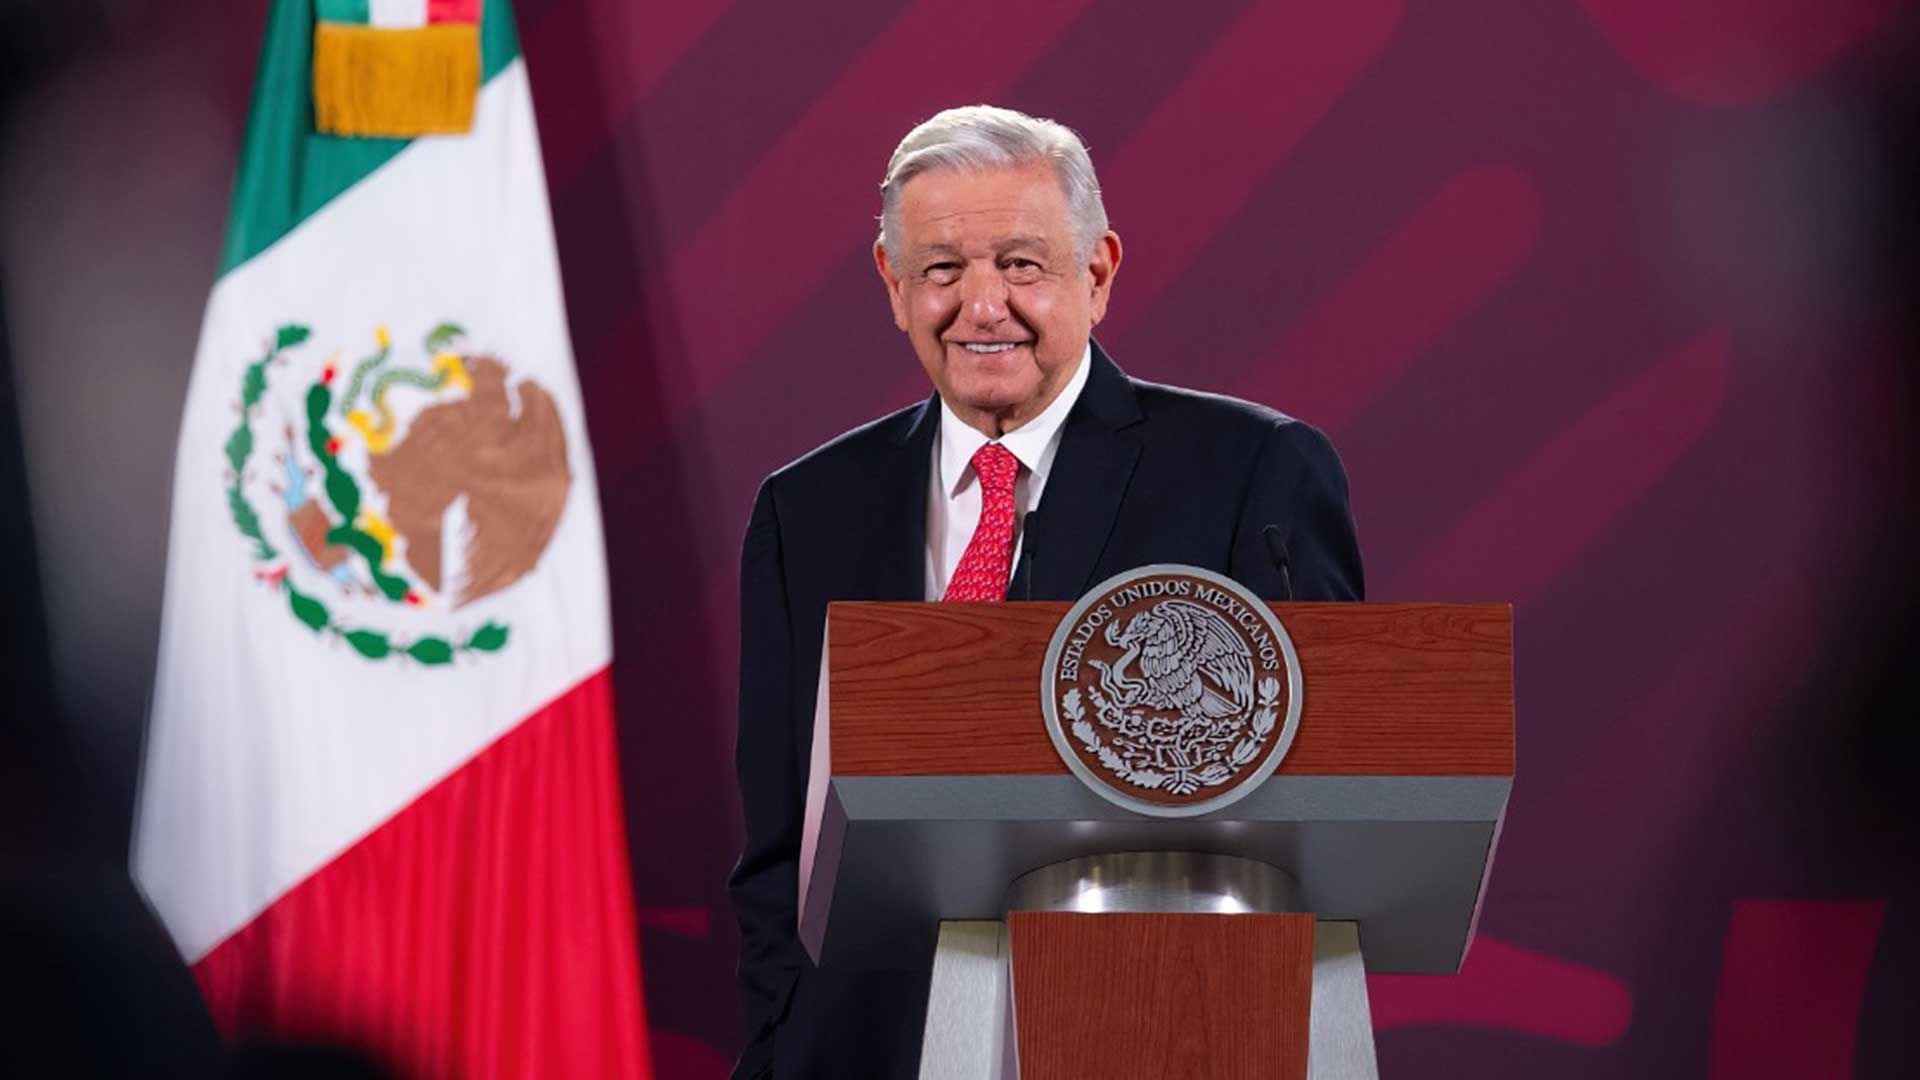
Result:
pixel 347 11
pixel 287 170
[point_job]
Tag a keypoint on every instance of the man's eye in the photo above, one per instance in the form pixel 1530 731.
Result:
pixel 942 273
pixel 1022 269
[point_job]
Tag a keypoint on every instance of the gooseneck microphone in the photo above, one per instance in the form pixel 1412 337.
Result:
pixel 1022 585
pixel 1277 551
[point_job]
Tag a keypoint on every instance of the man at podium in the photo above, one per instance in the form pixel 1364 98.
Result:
pixel 1035 469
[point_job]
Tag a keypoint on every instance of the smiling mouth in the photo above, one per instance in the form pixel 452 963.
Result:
pixel 987 348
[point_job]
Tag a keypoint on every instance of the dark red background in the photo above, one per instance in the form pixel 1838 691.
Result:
pixel 1601 301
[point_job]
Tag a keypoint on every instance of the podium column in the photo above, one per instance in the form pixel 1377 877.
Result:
pixel 1149 964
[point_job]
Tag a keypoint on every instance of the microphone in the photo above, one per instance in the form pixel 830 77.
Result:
pixel 1277 551
pixel 1022 587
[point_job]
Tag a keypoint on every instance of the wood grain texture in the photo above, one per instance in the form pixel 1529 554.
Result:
pixel 1126 996
pixel 1387 689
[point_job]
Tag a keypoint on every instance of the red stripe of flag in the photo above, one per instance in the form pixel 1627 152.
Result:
pixel 455 11
pixel 484 931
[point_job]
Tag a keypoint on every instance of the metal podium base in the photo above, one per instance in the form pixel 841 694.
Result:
pixel 1187 882
pixel 969 1031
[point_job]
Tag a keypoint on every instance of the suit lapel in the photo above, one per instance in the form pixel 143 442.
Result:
pixel 1099 445
pixel 900 511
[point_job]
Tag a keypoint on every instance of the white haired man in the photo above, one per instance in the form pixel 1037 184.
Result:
pixel 998 262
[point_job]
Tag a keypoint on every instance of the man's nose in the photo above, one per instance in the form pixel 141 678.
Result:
pixel 983 295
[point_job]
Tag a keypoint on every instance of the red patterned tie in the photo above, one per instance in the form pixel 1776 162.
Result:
pixel 988 561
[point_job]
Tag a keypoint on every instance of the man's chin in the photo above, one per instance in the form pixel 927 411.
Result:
pixel 997 401
pixel 993 382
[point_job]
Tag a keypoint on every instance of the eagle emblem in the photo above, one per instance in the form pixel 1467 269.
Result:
pixel 1171 690
pixel 1190 662
pixel 388 498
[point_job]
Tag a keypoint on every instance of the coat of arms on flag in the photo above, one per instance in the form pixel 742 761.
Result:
pixel 380 801
pixel 427 487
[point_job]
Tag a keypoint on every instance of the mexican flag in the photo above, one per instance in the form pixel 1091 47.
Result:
pixel 379 801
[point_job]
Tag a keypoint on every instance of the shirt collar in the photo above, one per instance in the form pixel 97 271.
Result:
pixel 959 441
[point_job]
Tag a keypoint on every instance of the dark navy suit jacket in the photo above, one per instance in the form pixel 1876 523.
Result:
pixel 1145 474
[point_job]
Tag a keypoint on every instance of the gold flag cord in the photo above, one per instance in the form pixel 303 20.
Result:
pixel 395 83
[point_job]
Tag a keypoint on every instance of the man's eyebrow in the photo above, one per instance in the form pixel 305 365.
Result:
pixel 1028 241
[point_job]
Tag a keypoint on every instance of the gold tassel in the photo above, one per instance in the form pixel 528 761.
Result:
pixel 397 83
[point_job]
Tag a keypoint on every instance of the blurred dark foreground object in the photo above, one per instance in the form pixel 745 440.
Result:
pixel 91 986
pixel 295 1061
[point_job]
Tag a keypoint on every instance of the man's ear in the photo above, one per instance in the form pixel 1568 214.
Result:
pixel 1102 265
pixel 892 281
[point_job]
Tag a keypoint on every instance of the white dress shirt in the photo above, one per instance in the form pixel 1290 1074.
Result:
pixel 953 495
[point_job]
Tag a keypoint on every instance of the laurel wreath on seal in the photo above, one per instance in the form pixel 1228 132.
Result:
pixel 1137 763
pixel 343 491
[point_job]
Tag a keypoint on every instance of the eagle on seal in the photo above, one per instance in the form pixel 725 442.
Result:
pixel 1191 661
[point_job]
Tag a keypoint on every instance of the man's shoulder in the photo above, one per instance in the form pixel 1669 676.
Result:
pixel 1164 400
pixel 849 452
pixel 1211 416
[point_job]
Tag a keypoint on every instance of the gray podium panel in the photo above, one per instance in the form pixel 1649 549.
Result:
pixel 889 858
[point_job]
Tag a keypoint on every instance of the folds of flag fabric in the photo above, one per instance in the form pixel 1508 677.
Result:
pixel 380 803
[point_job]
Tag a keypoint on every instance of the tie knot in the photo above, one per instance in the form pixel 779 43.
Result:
pixel 996 467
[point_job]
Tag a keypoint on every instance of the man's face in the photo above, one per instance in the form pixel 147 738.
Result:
pixel 991 292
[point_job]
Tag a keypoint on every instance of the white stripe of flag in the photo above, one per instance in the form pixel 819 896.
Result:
pixel 396 14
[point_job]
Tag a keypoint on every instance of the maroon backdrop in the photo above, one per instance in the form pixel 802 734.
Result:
pixel 1598 299
pixel 1581 292
pixel 1578 289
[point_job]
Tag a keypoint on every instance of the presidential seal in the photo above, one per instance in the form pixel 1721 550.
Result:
pixel 1171 690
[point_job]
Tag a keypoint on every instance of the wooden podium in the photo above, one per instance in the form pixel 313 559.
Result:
pixel 1075 938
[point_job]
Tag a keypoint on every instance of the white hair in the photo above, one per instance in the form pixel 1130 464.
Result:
pixel 982 138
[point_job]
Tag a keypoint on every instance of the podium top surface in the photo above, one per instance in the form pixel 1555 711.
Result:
pixel 1388 689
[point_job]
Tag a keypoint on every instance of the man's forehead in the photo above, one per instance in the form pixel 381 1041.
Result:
pixel 999 243
pixel 1021 190
pixel 993 209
